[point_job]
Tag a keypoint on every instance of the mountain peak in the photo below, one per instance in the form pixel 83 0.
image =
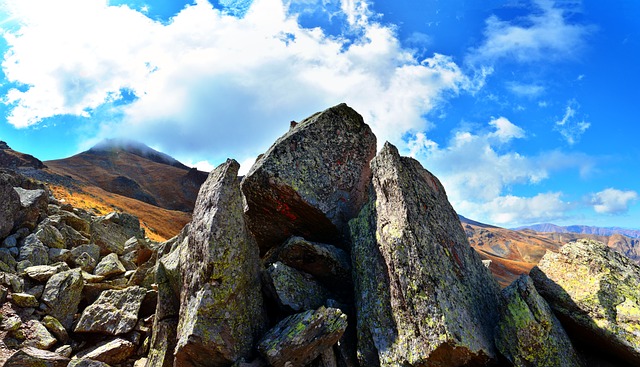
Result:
pixel 136 148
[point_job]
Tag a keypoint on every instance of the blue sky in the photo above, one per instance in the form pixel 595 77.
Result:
pixel 526 110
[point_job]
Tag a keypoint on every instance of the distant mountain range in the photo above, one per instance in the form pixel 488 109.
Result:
pixel 598 231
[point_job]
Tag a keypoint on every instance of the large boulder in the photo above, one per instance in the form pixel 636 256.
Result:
pixel 594 292
pixel 299 339
pixel 221 313
pixel 312 180
pixel 62 295
pixel 423 296
pixel 115 312
pixel 528 333
pixel 33 204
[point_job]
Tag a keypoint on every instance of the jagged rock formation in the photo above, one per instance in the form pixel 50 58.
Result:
pixel 221 313
pixel 594 292
pixel 422 294
pixel 398 285
pixel 528 333
pixel 312 180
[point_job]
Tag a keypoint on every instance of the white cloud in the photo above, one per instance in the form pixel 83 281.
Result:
pixel 570 126
pixel 479 171
pixel 214 84
pixel 525 90
pixel 544 34
pixel 513 210
pixel 613 201
pixel 505 130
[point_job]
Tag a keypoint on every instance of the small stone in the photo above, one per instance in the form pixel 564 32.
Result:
pixel 11 323
pixel 109 266
pixel 86 262
pixel 38 336
pixel 110 352
pixel 64 351
pixel 34 357
pixel 114 312
pixel 24 300
pixel 86 362
pixel 34 251
pixel 55 327
pixel 299 339
pixel 42 273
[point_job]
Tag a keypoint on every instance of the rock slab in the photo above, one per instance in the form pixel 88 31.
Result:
pixel 115 312
pixel 312 180
pixel 594 292
pixel 299 339
pixel 62 295
pixel 528 333
pixel 423 296
pixel 221 312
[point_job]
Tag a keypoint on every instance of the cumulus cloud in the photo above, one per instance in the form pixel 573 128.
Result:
pixel 545 34
pixel 570 126
pixel 613 201
pixel 511 210
pixel 211 83
pixel 479 170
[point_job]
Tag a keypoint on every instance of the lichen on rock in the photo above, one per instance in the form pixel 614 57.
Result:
pixel 594 291
pixel 422 294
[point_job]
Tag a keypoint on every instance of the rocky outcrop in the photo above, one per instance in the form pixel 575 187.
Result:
pixel 423 296
pixel 528 334
pixel 312 180
pixel 594 292
pixel 47 279
pixel 299 339
pixel 221 313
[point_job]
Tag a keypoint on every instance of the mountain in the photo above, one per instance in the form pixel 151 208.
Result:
pixel 136 171
pixel 119 175
pixel 134 147
pixel 14 160
pixel 511 252
pixel 515 251
pixel 598 231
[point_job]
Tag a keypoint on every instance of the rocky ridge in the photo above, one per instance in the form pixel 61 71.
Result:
pixel 324 255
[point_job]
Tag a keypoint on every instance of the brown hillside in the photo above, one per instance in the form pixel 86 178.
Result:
pixel 159 224
pixel 121 172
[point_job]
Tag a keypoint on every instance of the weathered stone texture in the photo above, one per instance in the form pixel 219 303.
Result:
pixel 528 334
pixel 594 292
pixel 312 180
pixel 221 312
pixel 423 296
